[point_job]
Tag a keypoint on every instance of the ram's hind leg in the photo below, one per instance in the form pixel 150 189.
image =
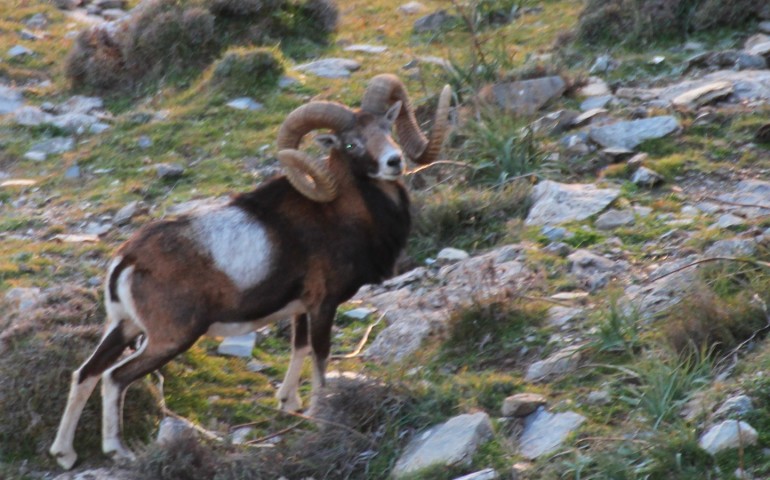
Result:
pixel 118 335
pixel 154 352
pixel 288 395
pixel 320 341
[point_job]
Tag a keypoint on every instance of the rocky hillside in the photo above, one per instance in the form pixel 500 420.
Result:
pixel 585 292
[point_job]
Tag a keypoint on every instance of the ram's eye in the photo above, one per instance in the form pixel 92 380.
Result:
pixel 349 146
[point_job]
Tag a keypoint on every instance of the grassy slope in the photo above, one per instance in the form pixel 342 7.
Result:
pixel 213 141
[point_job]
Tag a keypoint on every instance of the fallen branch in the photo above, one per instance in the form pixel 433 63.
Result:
pixel 440 162
pixel 169 413
pixel 363 341
pixel 273 435
pixel 319 420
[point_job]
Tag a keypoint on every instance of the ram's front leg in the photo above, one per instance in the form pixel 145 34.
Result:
pixel 288 395
pixel 320 340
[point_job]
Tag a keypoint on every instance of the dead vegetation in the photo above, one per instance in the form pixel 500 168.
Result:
pixel 649 20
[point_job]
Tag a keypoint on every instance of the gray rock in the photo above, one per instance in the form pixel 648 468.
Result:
pixel 555 122
pixel 80 104
pixel 54 146
pixel 555 203
pixel 411 8
pixel 74 122
pixel 592 270
pixel 603 64
pixel 559 316
pixel 524 97
pixel 522 404
pixel 30 116
pixel 596 87
pixel 111 14
pixel 29 35
pixel 755 40
pixel 645 177
pixel 764 27
pixel 359 313
pixel 451 443
pixel 37 21
pixel 172 429
pixel 366 48
pixel 589 115
pixel 738 406
pixel 245 103
pixel 35 156
pixel 169 170
pixel 330 67
pixel 450 254
pixel 733 247
pixel 596 102
pixel 749 192
pixel 286 82
pixel 72 172
pixel 486 474
pixel 97 474
pixel 629 134
pixel 238 346
pixel 558 248
pixel 749 85
pixel 256 366
pixel 544 432
pixel 704 94
pixel 612 219
pixel 10 99
pixel 107 4
pixel 24 299
pixel 753 60
pixel 144 142
pixel 433 22
pixel 564 361
pixel 599 397
pixel 555 234
pixel 98 127
pixel 19 51
pixel 727 220
pixel 728 435
pixel 125 214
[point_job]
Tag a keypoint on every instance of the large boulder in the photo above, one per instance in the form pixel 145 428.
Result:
pixel 555 203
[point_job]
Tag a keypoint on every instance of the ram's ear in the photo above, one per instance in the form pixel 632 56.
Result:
pixel 392 114
pixel 327 141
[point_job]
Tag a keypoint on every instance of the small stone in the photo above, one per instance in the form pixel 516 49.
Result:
pixel 596 102
pixel 72 172
pixel 239 436
pixel 603 64
pixel 561 362
pixel 113 14
pixel 728 435
pixel 19 51
pixel 646 177
pixel 144 142
pixel 107 4
pixel 54 146
pixel 738 406
pixel 629 134
pixel 35 156
pixel 599 397
pixel 727 220
pixel 169 170
pixel 486 474
pixel 452 254
pixel 238 346
pixel 559 316
pixel 560 249
pixel 411 8
pixel 433 22
pixel 74 122
pixel 764 27
pixel 24 299
pixel 612 219
pixel 451 443
pixel 544 432
pixel 359 313
pixel 245 103
pixel 172 429
pixel 80 104
pixel 286 82
pixel 330 67
pixel 98 127
pixel 555 234
pixel 125 214
pixel 522 404
pixel 37 21
pixel 366 48
pixel 256 366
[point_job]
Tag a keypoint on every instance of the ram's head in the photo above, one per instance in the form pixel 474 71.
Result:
pixel 361 139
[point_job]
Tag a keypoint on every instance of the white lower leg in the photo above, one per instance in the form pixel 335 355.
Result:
pixel 288 394
pixel 112 414
pixel 62 447
pixel 318 382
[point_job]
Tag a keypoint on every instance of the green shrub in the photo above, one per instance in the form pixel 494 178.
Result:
pixel 242 7
pixel 247 71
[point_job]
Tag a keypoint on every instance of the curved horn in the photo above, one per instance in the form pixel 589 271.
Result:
pixel 311 176
pixel 383 91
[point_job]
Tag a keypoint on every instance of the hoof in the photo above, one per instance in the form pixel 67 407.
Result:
pixel 290 404
pixel 66 460
pixel 118 452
